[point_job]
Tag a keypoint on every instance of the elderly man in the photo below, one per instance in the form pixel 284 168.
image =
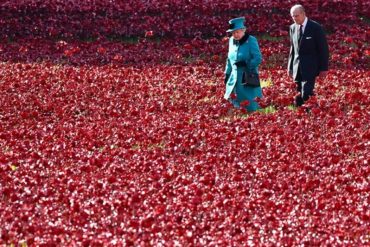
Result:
pixel 309 53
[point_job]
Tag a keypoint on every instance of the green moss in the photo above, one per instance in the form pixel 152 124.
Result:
pixel 267 110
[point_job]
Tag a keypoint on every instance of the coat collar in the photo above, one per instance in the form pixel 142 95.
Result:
pixel 306 24
pixel 242 40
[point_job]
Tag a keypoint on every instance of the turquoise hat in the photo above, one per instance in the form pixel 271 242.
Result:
pixel 235 24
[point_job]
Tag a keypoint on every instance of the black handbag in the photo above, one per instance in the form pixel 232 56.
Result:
pixel 251 80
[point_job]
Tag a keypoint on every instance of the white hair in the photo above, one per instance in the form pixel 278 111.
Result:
pixel 297 7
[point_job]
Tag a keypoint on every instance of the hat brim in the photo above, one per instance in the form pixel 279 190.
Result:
pixel 234 29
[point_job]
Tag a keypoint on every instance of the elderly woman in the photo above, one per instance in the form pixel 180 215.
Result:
pixel 243 59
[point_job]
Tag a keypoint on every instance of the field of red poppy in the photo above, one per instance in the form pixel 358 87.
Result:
pixel 114 130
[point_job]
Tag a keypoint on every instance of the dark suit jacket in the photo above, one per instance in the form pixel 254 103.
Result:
pixel 311 55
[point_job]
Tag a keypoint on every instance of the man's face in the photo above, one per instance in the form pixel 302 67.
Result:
pixel 238 34
pixel 298 16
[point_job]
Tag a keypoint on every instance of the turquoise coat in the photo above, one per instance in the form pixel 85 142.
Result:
pixel 244 50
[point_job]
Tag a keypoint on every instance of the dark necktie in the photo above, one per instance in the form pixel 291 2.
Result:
pixel 300 33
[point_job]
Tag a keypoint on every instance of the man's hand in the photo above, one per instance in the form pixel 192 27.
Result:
pixel 289 73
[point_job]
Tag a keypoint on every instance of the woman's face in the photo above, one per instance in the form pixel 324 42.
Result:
pixel 238 34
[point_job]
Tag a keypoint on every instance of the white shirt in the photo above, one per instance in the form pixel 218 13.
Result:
pixel 304 24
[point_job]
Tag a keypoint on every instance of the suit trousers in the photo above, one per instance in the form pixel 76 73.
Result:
pixel 305 88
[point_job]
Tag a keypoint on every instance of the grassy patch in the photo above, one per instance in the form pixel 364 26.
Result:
pixel 88 39
pixel 365 19
pixel 151 146
pixel 127 40
pixel 190 59
pixel 230 118
pixel 133 40
pixel 10 40
pixel 233 114
pixel 351 44
pixel 273 59
pixel 21 244
pixel 267 110
pixel 292 107
pixel 13 167
pixel 136 147
pixel 209 99
pixel 268 37
pixel 210 83
pixel 157 40
pixel 266 83
pixel 160 145
pixel 236 114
